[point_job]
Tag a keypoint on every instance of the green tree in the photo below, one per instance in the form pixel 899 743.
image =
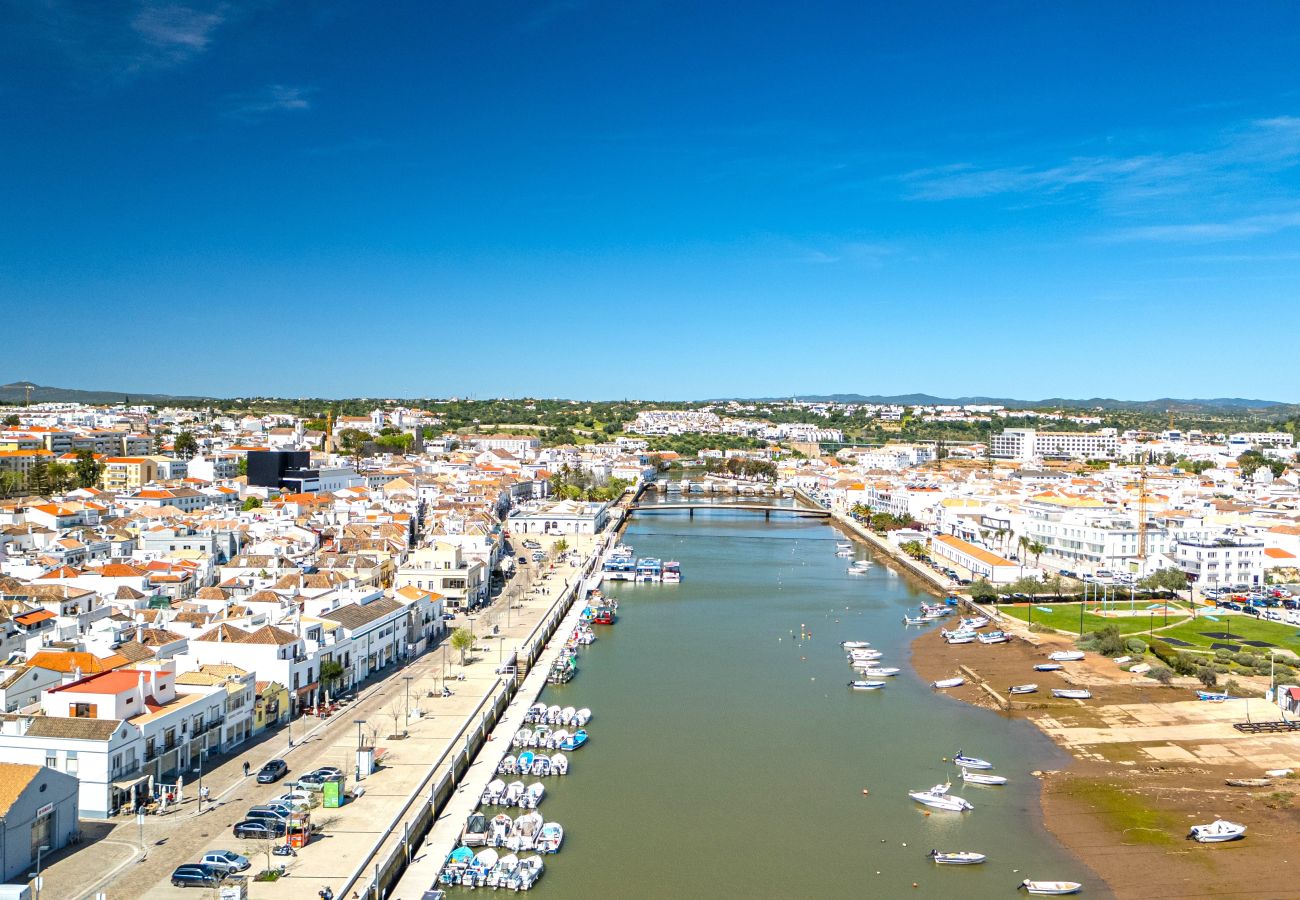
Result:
pixel 251 503
pixel 983 592
pixel 10 482
pixel 87 469
pixel 38 477
pixel 1037 549
pixel 561 546
pixel 185 446
pixel 61 477
pixel 1165 580
pixel 401 442
pixel 12 421
pixel 331 672
pixel 462 640
pixel 242 465
pixel 914 549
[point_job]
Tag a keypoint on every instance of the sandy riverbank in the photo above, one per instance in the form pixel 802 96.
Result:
pixel 1150 761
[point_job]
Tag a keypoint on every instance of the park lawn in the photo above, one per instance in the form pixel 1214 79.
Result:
pixel 1065 617
pixel 1240 627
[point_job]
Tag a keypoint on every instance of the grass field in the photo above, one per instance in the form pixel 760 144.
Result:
pixel 1240 627
pixel 1065 617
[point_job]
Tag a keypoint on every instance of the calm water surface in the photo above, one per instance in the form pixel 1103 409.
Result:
pixel 728 757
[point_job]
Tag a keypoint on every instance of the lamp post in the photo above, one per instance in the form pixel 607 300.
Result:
pixel 361 745
pixel 40 850
pixel 407 679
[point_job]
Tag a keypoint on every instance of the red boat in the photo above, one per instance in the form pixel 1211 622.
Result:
pixel 604 616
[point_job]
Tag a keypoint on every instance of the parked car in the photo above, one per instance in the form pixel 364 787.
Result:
pixel 315 781
pixel 1291 604
pixel 197 875
pixel 1251 610
pixel 266 812
pixel 272 771
pixel 228 860
pixel 299 800
pixel 260 829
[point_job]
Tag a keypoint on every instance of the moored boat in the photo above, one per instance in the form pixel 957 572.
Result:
pixel 524 833
pixel 919 620
pixel 971 762
pixel 1217 832
pixel 1052 888
pixel 526 873
pixel 541 766
pixel 994 637
pixel 938 797
pixel 503 871
pixel 981 778
pixel 559 764
pixel 526 761
pixel 948 682
pixel 672 573
pixel 574 741
pixel 507 766
pixel 866 685
pixel 884 672
pixel 1071 693
pixel 958 858
pixel 550 838
pixel 492 793
pixel 474 834
pixel 1022 689
pixel 500 830
pixel 855 645
pixel 581 717
pixel 532 797
pixel 1066 656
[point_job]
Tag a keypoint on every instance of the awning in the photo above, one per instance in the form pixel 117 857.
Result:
pixel 307 688
pixel 1293 693
pixel 125 784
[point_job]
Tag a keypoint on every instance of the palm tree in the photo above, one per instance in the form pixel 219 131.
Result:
pixel 1025 544
pixel 1037 549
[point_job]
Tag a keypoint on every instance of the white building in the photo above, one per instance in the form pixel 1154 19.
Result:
pixel 559 517
pixel 1028 444
pixel 1218 560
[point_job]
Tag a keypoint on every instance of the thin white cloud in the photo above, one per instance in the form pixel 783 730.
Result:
pixel 271 99
pixel 1231 230
pixel 179 30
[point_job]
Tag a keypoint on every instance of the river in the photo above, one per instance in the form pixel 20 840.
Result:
pixel 728 758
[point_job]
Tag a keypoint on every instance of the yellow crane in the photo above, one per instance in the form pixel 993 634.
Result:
pixel 1142 510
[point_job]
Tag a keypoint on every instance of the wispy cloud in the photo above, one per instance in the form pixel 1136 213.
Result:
pixel 271 99
pixel 1231 230
pixel 173 34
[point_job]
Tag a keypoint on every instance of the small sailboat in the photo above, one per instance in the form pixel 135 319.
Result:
pixel 574 741
pixel 959 858
pixel 1066 656
pixel 971 762
pixel 1217 832
pixel 981 778
pixel 550 838
pixel 855 645
pixel 1052 888
pixel 1048 667
pixel 938 797
pixel 559 764
pixel 533 796
pixel 866 685
pixel 1022 689
pixel 1071 693
pixel 948 683
pixel 881 672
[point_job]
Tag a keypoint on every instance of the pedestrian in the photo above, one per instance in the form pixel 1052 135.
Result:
pixel 245 768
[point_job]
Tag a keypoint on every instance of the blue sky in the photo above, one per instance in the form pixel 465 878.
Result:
pixel 651 199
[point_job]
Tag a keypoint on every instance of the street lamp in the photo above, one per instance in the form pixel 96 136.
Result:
pixel 407 679
pixel 39 850
pixel 360 745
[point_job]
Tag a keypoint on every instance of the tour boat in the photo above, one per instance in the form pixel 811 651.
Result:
pixel 959 858
pixel 980 778
pixel 559 764
pixel 1066 656
pixel 1071 693
pixel 492 793
pixel 1217 832
pixel 971 762
pixel 1053 888
pixel 1048 667
pixel 994 637
pixel 503 871
pixel 536 713
pixel 884 672
pixel 649 569
pixel 522 737
pixel 948 682
pixel 475 831
pixel 866 685
pixel 526 874
pixel 1022 689
pixel 672 573
pixel 501 827
pixel 581 717
pixel 550 838
pixel 525 831
pixel 514 792
pixel 541 766
pixel 855 645
pixel 507 766
pixel 458 862
pixel 526 761
pixel 574 741
pixel 939 798
pixel 604 616
pixel 536 791
pixel 909 620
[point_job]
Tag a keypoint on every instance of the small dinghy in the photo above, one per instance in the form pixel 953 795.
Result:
pixel 492 793
pixel 1066 656
pixel 526 761
pixel 866 685
pixel 884 672
pixel 959 858
pixel 526 873
pixel 503 871
pixel 909 620
pixel 550 838
pixel 855 645
pixel 525 833
pixel 1022 689
pixel 533 796
pixel 948 683
pixel 981 778
pixel 994 637
pixel 938 797
pixel 500 830
pixel 1071 693
pixel 971 762
pixel 1052 888
pixel 1048 667
pixel 541 766
pixel 574 741
pixel 522 737
pixel 514 793
pixel 507 766
pixel 581 717
pixel 1217 832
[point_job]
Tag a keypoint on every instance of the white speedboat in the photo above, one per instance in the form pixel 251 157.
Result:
pixel 855 645
pixel 846 553
pixel 553 714
pixel 1022 689
pixel 536 713
pixel 492 793
pixel 1051 888
pixel 1048 667
pixel 1066 656
pixel 559 764
pixel 994 637
pixel 582 717
pixel 479 870
pixel 558 739
pixel 884 672
pixel 1071 693
pixel 522 737
pixel 948 682
pixel 844 545
pixel 507 766
pixel 503 871
pixel 971 762
pixel 938 797
pixel 514 793
pixel 919 620
pixel 532 797
pixel 540 737
pixel 975 622
pixel 1217 832
pixel 550 838
pixel 981 778
pixel 866 685
pixel 541 766
pixel 959 858
pixel 525 831
pixel 499 831
pixel 567 715
pixel 526 873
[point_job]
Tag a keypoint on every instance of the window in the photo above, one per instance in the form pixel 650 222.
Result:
pixel 51 759
pixel 83 711
pixel 70 765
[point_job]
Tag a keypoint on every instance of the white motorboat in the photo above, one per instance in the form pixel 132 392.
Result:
pixel 855 645
pixel 920 620
pixel 479 870
pixel 1052 888
pixel 959 637
pixel 994 637
pixel 541 766
pixel 557 739
pixel 553 714
pixel 981 778
pixel 971 762
pixel 522 737
pixel 884 672
pixel 1217 832
pixel 526 828
pixel 1066 656
pixel 550 838
pixel 582 717
pixel 492 793
pixel 514 792
pixel 1071 693
pixel 846 553
pixel 540 737
pixel 1048 667
pixel 959 858
pixel 499 831
pixel 526 873
pixel 1022 689
pixel 938 797
pixel 559 764
pixel 975 622
pixel 503 871
pixel 865 653
pixel 507 766
pixel 844 545
pixel 866 685
pixel 532 797
pixel 948 682
pixel 536 713
pixel 567 714
pixel 474 834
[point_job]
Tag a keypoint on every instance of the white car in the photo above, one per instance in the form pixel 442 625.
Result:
pixel 299 801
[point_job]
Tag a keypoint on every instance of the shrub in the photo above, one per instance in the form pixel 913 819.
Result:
pixel 1161 674
pixel 1185 664
pixel 1222 654
pixel 1163 652
pixel 1136 646
pixel 1207 676
pixel 1221 669
pixel 1040 629
pixel 1107 641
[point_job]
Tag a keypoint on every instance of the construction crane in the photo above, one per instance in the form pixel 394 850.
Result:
pixel 1142 509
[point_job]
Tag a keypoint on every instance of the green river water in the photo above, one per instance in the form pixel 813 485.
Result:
pixel 728 758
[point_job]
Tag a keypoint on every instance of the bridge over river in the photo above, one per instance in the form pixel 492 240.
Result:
pixel 767 509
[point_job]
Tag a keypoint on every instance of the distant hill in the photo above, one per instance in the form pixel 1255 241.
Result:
pixel 1221 404
pixel 16 393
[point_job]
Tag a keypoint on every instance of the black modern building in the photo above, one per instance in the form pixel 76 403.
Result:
pixel 286 470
